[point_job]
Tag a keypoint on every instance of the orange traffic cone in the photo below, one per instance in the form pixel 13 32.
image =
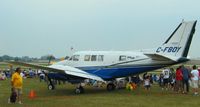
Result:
pixel 32 94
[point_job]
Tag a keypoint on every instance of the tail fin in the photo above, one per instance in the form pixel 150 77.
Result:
pixel 178 44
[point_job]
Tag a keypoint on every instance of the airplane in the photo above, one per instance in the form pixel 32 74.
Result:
pixel 109 65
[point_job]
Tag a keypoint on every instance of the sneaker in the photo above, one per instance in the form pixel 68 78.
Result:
pixel 195 94
pixel 20 102
pixel 9 101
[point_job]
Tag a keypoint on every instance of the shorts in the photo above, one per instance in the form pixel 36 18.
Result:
pixel 18 91
pixel 165 81
pixel 172 84
pixel 161 84
pixel 147 86
pixel 194 84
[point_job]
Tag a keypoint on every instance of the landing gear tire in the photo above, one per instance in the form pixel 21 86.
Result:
pixel 51 87
pixel 79 90
pixel 111 87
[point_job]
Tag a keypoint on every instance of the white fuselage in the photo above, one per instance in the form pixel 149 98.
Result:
pixel 108 58
pixel 111 64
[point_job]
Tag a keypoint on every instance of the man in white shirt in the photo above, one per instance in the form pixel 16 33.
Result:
pixel 166 74
pixel 195 78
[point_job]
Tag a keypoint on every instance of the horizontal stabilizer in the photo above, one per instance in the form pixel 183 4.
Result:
pixel 159 57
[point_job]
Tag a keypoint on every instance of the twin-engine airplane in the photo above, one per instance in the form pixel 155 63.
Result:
pixel 109 65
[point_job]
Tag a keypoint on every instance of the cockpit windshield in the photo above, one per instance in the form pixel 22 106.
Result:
pixel 74 58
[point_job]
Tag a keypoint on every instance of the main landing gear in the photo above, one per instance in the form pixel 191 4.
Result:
pixel 111 86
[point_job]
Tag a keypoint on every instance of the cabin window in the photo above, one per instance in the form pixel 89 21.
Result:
pixel 93 57
pixel 76 57
pixel 87 58
pixel 70 58
pixel 100 57
pixel 122 58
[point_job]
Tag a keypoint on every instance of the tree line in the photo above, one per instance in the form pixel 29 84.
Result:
pixel 26 58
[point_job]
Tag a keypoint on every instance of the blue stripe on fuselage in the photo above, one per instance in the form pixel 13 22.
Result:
pixel 114 72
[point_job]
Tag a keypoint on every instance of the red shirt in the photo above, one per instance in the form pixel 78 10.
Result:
pixel 199 72
pixel 179 75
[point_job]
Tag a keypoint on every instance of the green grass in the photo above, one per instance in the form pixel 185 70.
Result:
pixel 64 96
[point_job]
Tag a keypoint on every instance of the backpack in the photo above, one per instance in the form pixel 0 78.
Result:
pixel 13 97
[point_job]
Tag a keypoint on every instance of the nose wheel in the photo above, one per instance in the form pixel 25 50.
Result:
pixel 51 87
pixel 79 90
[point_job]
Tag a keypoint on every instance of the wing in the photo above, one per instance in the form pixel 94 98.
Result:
pixel 159 57
pixel 61 69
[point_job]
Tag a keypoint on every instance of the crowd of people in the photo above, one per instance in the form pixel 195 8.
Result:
pixel 179 80
pixel 26 73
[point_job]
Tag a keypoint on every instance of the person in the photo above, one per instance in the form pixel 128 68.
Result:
pixel 2 75
pixel 172 79
pixel 135 79
pixel 42 76
pixel 195 78
pixel 155 78
pixel 16 83
pixel 179 78
pixel 186 76
pixel 161 81
pixel 31 73
pixel 22 74
pixel 151 78
pixel 199 75
pixel 144 75
pixel 1 78
pixel 147 83
pixel 166 73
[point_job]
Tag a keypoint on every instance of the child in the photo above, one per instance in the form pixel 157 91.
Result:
pixel 161 81
pixel 147 83
pixel 13 96
pixel 172 82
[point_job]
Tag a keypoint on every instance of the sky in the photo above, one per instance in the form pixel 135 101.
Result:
pixel 40 27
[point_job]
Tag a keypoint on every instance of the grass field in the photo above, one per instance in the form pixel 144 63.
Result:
pixel 64 96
